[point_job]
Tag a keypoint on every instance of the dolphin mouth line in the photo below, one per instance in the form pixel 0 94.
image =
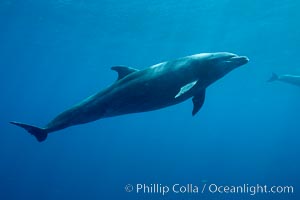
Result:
pixel 236 58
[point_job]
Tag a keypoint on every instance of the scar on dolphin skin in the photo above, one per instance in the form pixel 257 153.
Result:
pixel 158 86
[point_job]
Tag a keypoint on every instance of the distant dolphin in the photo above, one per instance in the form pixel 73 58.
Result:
pixel 287 78
pixel 156 87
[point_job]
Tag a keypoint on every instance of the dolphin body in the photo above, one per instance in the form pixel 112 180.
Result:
pixel 287 78
pixel 153 88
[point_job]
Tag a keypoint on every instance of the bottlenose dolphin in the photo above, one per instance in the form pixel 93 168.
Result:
pixel 287 78
pixel 156 87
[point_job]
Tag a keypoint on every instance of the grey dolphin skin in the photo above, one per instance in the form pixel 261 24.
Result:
pixel 153 88
pixel 287 78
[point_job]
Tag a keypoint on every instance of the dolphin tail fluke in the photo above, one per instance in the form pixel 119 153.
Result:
pixel 273 78
pixel 39 133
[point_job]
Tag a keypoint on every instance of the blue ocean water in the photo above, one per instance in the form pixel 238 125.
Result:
pixel 55 53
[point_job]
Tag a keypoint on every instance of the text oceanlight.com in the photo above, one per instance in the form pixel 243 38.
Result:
pixel 162 189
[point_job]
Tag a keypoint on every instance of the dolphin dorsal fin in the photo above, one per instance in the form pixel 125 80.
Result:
pixel 123 71
pixel 185 89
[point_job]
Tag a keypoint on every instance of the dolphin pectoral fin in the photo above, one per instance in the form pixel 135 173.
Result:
pixel 123 71
pixel 185 88
pixel 39 133
pixel 198 101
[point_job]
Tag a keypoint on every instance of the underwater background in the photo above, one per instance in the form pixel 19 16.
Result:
pixel 55 53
